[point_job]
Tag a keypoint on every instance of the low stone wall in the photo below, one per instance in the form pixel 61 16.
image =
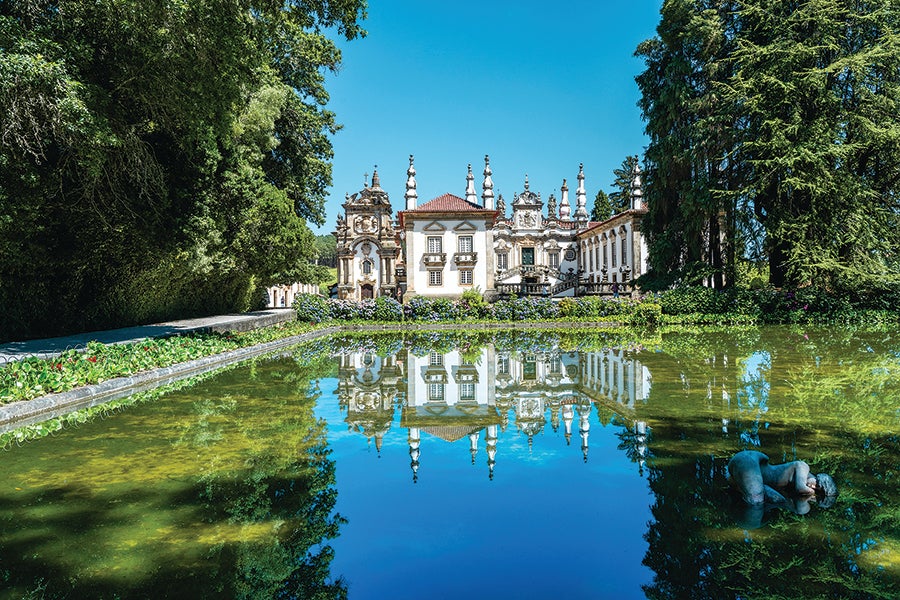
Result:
pixel 27 412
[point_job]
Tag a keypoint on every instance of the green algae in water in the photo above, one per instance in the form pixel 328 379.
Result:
pixel 236 488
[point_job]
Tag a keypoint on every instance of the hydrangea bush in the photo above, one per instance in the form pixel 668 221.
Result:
pixel 311 308
pixel 388 309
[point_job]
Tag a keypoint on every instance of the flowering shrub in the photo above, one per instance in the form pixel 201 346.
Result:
pixel 311 308
pixel 388 309
pixel 526 309
pixel 432 309
pixel 473 304
pixel 344 310
pixel 686 304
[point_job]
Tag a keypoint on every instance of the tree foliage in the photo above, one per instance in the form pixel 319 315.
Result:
pixel 602 209
pixel 620 200
pixel 159 158
pixel 774 133
pixel 326 250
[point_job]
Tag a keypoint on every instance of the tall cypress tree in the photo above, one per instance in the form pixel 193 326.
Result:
pixel 689 169
pixel 817 83
pixel 774 125
pixel 602 207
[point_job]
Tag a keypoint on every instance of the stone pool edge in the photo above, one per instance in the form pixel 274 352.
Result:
pixel 28 412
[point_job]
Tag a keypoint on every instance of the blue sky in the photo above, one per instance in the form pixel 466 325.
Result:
pixel 540 87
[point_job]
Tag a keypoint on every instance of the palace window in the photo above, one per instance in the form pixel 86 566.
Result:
pixel 465 277
pixel 613 250
pixel 503 365
pixel 553 260
pixel 367 267
pixel 502 261
pixel 555 365
pixel 528 256
pixel 529 367
pixel 467 391
pixel 435 244
pixel 605 258
pixel 436 359
pixel 464 243
pixel 624 249
pixel 435 392
pixel 435 278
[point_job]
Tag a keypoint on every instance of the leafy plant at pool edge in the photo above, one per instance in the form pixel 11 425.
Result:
pixel 32 377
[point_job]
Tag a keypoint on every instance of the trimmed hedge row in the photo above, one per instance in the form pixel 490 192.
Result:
pixel 805 305
pixel 690 304
pixel 316 309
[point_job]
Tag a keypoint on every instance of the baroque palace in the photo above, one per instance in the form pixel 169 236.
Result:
pixel 450 244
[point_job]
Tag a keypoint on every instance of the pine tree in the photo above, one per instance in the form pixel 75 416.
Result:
pixel 819 86
pixel 602 207
pixel 774 127
pixel 620 200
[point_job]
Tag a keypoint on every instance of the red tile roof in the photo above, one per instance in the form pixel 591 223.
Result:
pixel 448 203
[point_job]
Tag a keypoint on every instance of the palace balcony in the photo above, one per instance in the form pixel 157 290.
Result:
pixel 435 374
pixel 465 259
pixel 434 259
pixel 523 289
pixel 581 288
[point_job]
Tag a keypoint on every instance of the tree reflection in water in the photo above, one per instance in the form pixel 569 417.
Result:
pixel 830 402
pixel 826 396
pixel 216 493
pixel 229 490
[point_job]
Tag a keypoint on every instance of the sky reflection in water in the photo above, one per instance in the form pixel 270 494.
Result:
pixel 459 465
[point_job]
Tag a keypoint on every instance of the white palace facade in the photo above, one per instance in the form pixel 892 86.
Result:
pixel 450 244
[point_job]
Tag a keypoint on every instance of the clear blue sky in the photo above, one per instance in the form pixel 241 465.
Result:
pixel 539 86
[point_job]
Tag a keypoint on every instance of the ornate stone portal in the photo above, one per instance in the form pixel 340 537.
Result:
pixel 367 248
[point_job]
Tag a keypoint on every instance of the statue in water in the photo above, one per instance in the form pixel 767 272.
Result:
pixel 790 485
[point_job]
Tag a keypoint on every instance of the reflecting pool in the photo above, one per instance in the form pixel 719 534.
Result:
pixel 502 465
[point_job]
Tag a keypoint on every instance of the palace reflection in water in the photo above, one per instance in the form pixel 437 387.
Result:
pixel 454 395
pixel 826 396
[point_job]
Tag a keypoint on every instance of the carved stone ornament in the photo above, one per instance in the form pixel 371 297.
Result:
pixel 527 220
pixel 365 224
pixel 366 248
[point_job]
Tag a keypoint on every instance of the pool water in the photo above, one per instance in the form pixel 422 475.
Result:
pixel 499 465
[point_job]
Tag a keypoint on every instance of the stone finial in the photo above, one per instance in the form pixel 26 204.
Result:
pixel 526 182
pixel 470 187
pixel 637 191
pixel 581 213
pixel 375 182
pixel 501 206
pixel 487 187
pixel 411 195
pixel 565 210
